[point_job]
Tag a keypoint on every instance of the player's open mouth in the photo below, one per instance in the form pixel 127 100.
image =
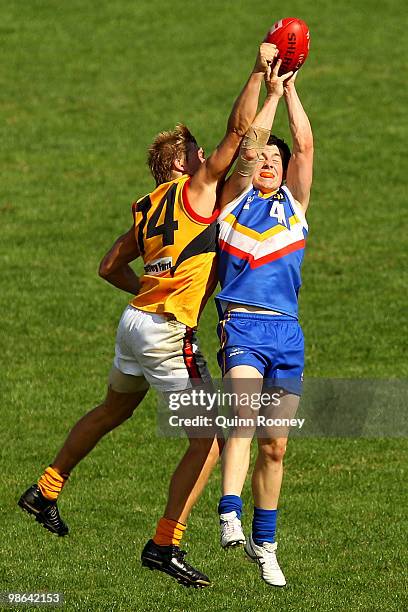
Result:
pixel 267 175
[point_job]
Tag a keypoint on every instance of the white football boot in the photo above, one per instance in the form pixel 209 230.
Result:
pixel 265 557
pixel 231 530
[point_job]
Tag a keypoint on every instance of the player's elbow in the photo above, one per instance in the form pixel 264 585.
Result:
pixel 304 144
pixel 241 130
pixel 105 269
pixel 308 146
pixel 249 155
pixel 238 128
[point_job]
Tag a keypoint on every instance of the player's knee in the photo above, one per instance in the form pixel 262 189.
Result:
pixel 117 411
pixel 273 452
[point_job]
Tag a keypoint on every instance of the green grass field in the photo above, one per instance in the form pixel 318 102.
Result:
pixel 85 86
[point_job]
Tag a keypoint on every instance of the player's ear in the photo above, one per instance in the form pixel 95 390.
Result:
pixel 179 164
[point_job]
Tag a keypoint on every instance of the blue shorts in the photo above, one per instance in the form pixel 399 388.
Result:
pixel 273 344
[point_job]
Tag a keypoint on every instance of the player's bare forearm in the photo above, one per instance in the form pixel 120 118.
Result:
pixel 274 90
pixel 125 279
pixel 246 105
pixel 115 268
pixel 241 178
pixel 267 113
pixel 203 184
pixel 256 139
pixel 240 119
pixel 299 123
pixel 300 169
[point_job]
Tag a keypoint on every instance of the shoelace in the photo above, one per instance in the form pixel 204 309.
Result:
pixel 230 526
pixel 269 546
pixel 179 555
pixel 53 514
pixel 271 550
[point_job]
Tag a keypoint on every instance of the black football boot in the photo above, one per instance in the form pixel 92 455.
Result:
pixel 170 559
pixel 44 510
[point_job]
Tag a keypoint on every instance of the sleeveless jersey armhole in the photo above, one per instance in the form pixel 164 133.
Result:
pixel 190 212
pixel 296 207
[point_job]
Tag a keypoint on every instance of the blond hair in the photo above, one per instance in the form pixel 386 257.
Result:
pixel 165 149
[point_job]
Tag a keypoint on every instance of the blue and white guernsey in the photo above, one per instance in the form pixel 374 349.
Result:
pixel 261 242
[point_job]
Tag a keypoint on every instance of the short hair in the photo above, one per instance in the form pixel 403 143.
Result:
pixel 165 149
pixel 283 148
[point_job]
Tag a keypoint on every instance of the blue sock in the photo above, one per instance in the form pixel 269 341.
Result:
pixel 230 503
pixel 264 525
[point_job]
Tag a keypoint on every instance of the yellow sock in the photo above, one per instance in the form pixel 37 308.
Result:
pixel 168 532
pixel 51 483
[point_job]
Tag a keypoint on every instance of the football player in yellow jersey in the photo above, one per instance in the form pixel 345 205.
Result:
pixel 174 232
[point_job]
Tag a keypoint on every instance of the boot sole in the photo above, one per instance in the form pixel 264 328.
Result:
pixel 235 544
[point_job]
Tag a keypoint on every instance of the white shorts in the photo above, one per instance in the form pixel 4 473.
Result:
pixel 162 350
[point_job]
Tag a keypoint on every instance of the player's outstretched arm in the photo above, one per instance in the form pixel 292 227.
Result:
pixel 202 188
pixel 115 268
pixel 300 170
pixel 256 138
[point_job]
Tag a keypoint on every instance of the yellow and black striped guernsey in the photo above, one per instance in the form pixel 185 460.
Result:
pixel 178 249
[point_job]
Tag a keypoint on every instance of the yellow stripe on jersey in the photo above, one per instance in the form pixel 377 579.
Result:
pixel 266 196
pixel 293 220
pixel 260 236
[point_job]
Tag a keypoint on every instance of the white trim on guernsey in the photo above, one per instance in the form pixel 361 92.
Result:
pixel 296 206
pixel 260 248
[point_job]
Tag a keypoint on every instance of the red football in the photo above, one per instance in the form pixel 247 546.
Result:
pixel 292 38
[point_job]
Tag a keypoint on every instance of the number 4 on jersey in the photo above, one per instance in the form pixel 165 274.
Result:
pixel 169 225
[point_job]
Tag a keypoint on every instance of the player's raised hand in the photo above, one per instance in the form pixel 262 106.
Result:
pixel 266 54
pixel 275 84
pixel 290 83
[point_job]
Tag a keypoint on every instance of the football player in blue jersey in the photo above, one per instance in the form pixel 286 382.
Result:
pixel 262 237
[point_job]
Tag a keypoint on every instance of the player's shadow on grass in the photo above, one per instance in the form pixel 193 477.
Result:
pixel 337 407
